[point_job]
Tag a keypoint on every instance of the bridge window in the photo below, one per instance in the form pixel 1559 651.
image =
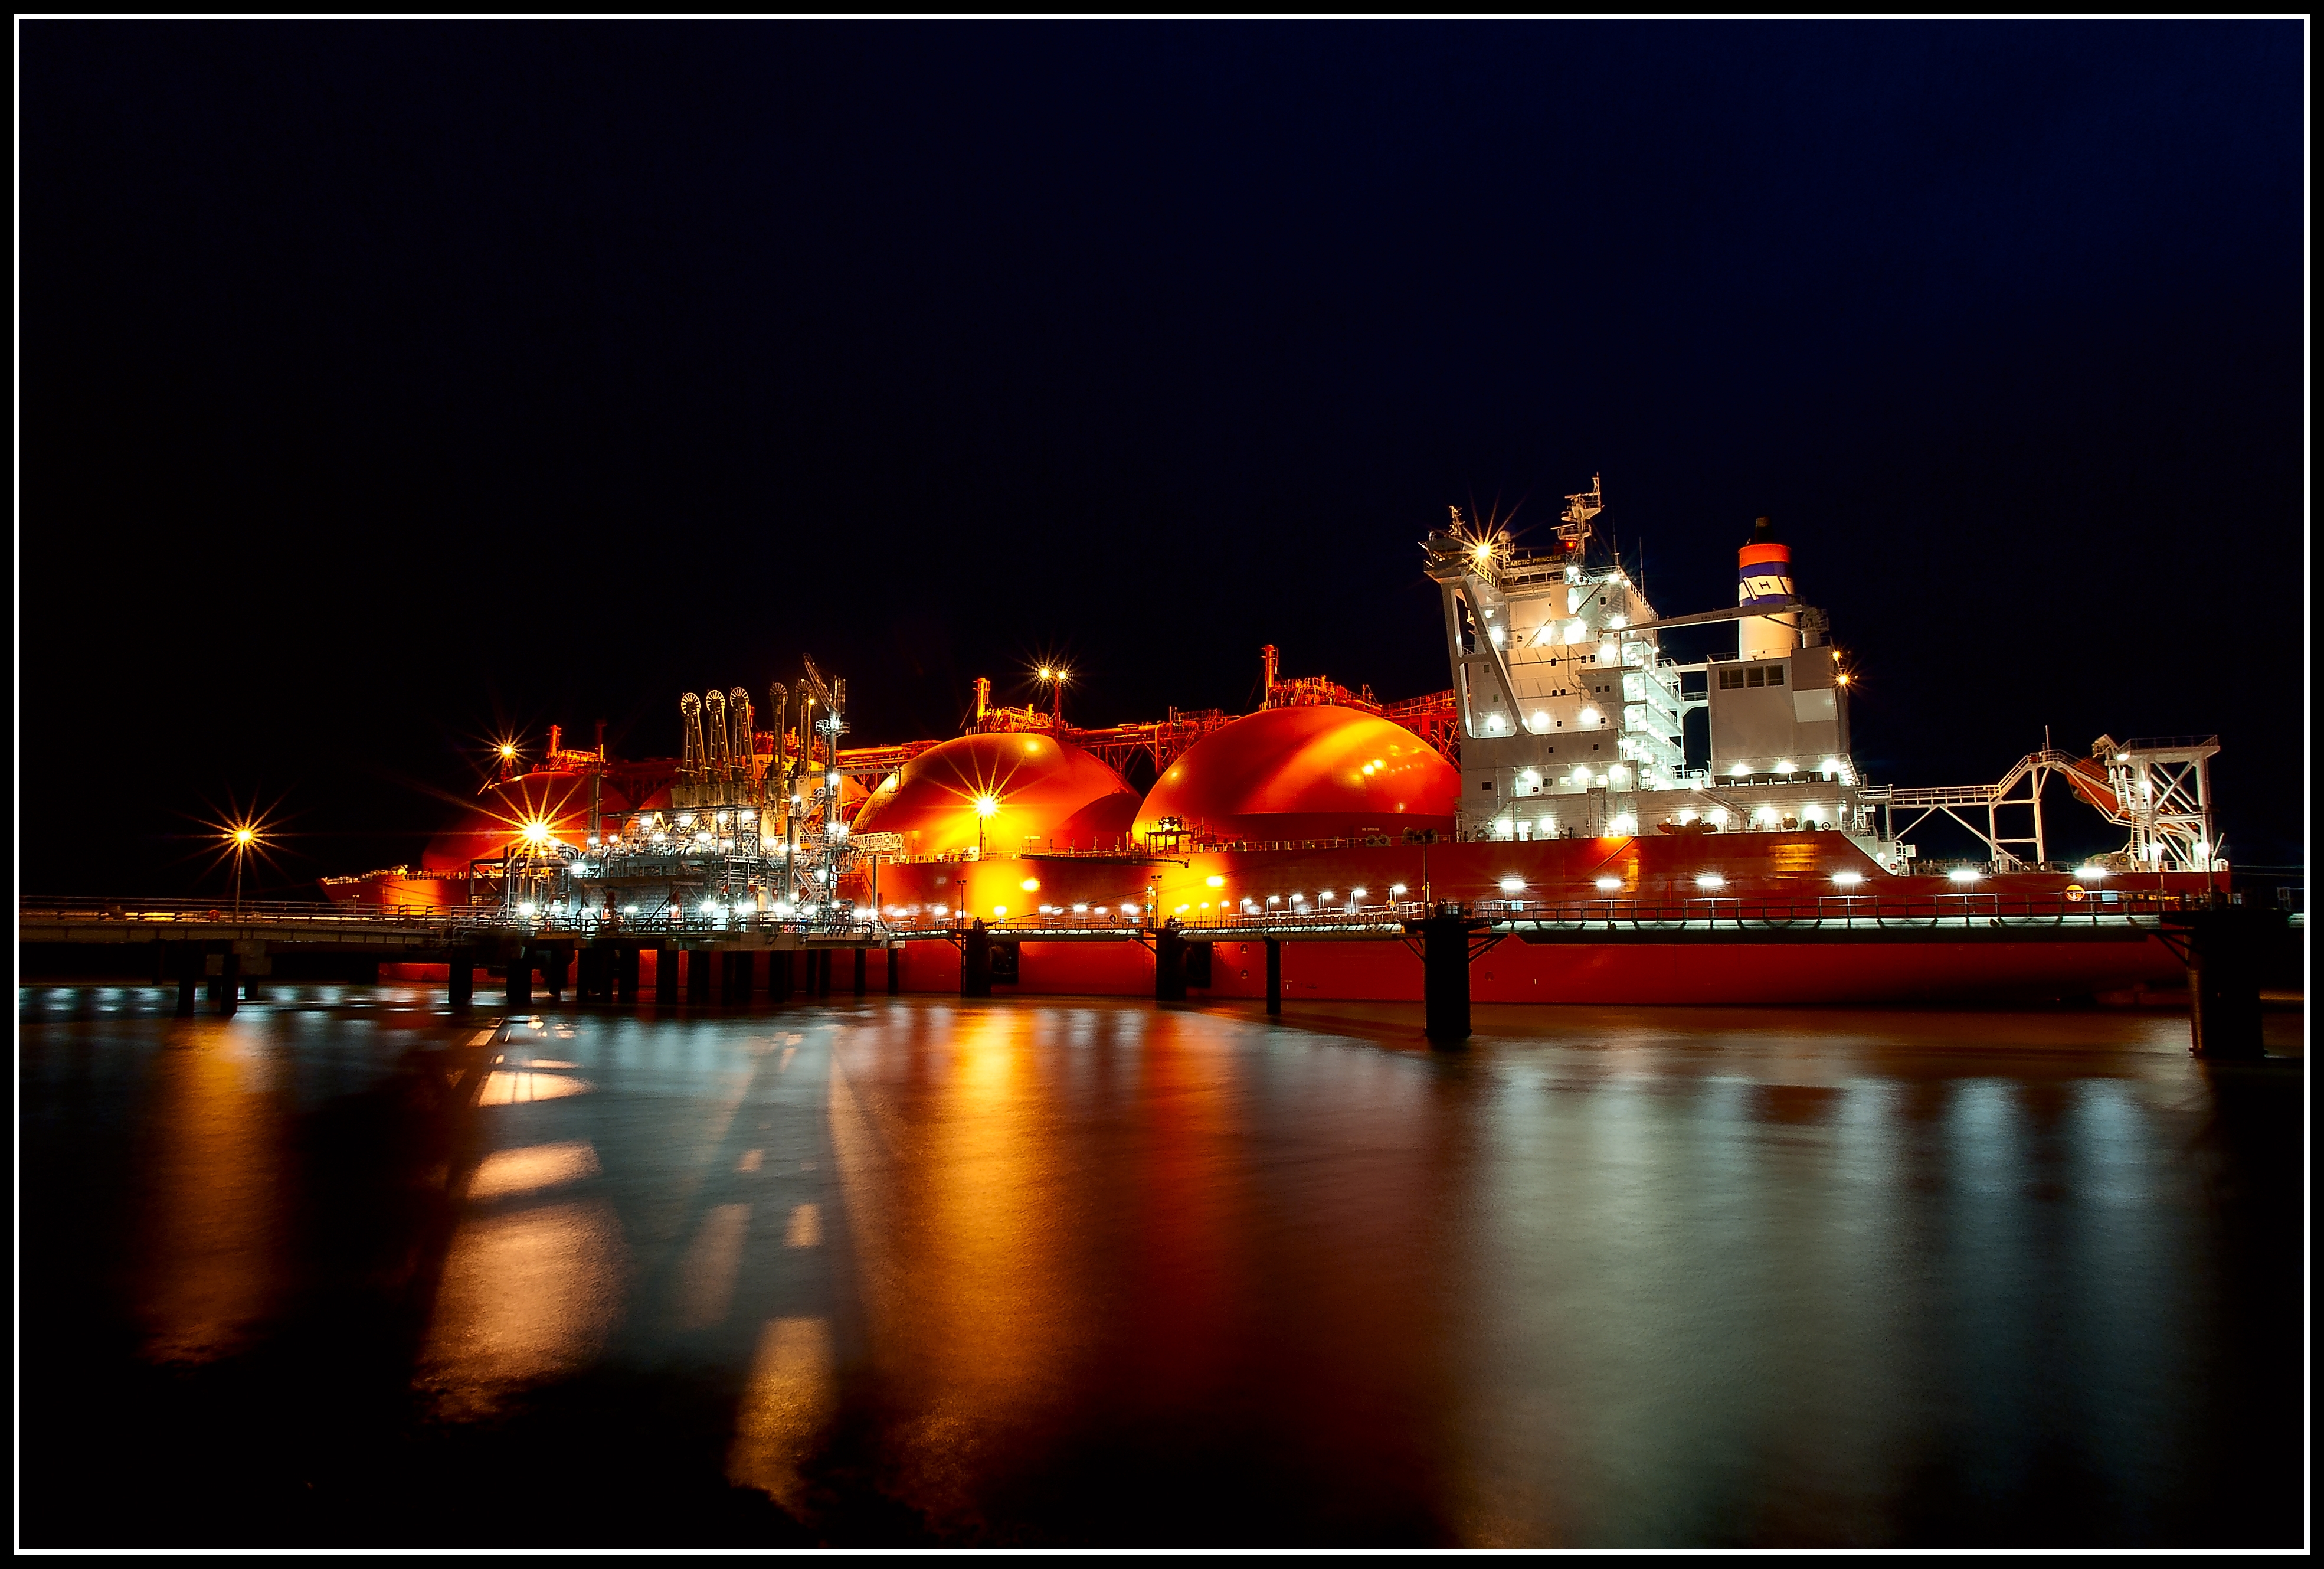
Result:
pixel 1728 680
pixel 1757 675
pixel 1774 675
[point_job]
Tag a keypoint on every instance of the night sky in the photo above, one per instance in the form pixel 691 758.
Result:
pixel 386 387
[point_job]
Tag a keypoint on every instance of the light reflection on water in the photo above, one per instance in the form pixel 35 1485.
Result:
pixel 1095 1270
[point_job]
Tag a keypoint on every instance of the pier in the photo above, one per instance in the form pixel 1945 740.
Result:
pixel 226 954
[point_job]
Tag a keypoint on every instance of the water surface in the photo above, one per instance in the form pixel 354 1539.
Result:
pixel 347 1268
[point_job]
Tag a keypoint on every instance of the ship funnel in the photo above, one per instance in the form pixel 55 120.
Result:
pixel 1763 575
pixel 983 696
pixel 1270 659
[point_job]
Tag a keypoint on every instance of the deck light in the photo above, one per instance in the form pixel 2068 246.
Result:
pixel 1783 765
pixel 1396 891
pixel 1356 893
pixel 1512 885
pixel 1324 895
pixel 1031 885
pixel 986 806
pixel 1608 884
pixel 1847 879
pixel 2090 873
pixel 1214 883
pixel 1963 875
pixel 1590 716
pixel 1711 880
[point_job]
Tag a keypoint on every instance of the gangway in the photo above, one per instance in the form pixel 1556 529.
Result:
pixel 2158 788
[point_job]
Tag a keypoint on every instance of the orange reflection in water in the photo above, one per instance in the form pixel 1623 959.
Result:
pixel 785 1410
pixel 713 1262
pixel 505 1172
pixel 513 1086
pixel 525 1295
pixel 958 1189
pixel 214 1216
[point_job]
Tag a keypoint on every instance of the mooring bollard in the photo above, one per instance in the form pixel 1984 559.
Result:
pixel 976 960
pixel 1170 965
pixel 1444 973
pixel 2226 947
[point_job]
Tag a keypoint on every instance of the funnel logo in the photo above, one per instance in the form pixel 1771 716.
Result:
pixel 1763 573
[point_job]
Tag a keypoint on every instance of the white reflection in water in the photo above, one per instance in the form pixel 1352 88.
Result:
pixel 784 1410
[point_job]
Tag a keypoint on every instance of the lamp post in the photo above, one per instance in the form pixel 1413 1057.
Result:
pixel 986 806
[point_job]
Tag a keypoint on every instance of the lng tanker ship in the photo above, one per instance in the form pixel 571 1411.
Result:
pixel 1547 795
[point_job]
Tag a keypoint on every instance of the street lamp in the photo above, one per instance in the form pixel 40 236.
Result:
pixel 986 806
pixel 242 837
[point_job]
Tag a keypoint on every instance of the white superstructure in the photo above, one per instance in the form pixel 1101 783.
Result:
pixel 1572 721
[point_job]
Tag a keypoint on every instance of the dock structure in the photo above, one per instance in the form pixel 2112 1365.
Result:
pixel 232 950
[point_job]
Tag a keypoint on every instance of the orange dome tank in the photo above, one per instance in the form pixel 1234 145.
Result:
pixel 499 817
pixel 1306 772
pixel 1042 794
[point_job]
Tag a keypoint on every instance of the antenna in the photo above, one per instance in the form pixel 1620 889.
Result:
pixel 1574 523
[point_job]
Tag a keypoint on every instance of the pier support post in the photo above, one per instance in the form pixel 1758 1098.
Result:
pixel 976 960
pixel 665 973
pixel 1445 975
pixel 460 977
pixel 861 961
pixel 822 973
pixel 519 978
pixel 625 975
pixel 780 962
pixel 698 974
pixel 2226 949
pixel 895 970
pixel 745 963
pixel 553 971
pixel 190 973
pixel 1275 976
pixel 1170 965
pixel 230 986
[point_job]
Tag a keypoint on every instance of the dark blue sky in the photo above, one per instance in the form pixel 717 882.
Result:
pixel 384 384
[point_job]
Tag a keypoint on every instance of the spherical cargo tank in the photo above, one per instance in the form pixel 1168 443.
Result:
pixel 1008 793
pixel 558 800
pixel 1306 772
